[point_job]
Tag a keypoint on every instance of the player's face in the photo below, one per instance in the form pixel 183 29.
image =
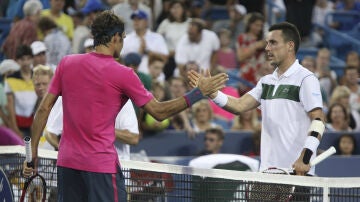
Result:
pixel 277 49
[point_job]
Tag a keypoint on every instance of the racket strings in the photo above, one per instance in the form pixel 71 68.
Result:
pixel 35 191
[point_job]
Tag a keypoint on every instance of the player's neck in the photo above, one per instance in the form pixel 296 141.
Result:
pixel 285 65
pixel 104 50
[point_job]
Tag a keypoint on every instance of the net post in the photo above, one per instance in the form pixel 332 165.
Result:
pixel 326 193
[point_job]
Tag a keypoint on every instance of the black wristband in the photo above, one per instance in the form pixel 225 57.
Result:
pixel 307 156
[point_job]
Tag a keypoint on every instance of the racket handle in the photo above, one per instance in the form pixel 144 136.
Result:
pixel 323 156
pixel 28 152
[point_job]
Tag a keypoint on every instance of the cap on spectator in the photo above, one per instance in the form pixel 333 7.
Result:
pixel 38 47
pixel 89 43
pixel 8 65
pixel 132 59
pixel 92 6
pixel 240 9
pixel 139 14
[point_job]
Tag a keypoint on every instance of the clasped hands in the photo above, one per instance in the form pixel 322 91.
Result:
pixel 208 85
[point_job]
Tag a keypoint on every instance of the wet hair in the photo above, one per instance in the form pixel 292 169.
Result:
pixel 105 26
pixel 23 50
pixel 289 33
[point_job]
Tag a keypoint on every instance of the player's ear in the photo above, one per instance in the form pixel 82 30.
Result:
pixel 290 46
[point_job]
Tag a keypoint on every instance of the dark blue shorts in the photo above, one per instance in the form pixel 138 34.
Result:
pixel 84 186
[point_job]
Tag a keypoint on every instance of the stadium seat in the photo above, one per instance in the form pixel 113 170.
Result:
pixel 346 19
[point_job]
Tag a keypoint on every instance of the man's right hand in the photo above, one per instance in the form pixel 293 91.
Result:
pixel 27 171
pixel 208 85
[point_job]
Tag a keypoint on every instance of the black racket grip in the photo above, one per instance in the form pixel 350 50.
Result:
pixel 30 164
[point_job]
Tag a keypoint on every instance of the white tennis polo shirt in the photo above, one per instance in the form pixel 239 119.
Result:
pixel 285 102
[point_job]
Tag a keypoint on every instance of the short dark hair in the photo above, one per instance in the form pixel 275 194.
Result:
pixel 217 131
pixel 105 26
pixel 289 32
pixel 353 139
pixel 46 23
pixel 23 50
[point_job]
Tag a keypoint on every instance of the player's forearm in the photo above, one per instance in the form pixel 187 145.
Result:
pixel 234 105
pixel 163 110
pixel 37 127
pixel 125 136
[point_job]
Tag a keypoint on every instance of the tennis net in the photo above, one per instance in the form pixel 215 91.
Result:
pixel 171 183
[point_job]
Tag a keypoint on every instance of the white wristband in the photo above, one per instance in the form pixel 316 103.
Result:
pixel 221 99
pixel 312 143
pixel 317 126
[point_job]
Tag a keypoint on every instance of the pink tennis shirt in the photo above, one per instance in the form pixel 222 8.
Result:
pixel 94 87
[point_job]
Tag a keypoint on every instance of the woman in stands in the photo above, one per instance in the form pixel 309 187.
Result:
pixel 251 46
pixel 202 116
pixel 346 145
pixel 247 121
pixel 338 118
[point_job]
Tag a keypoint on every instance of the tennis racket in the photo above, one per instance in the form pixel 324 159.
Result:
pixel 35 186
pixel 258 191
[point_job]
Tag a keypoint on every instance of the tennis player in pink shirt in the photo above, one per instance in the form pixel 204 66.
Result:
pixel 94 87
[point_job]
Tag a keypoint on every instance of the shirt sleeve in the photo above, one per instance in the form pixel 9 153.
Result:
pixel 135 90
pixel 55 120
pixel 310 93
pixel 126 119
pixel 256 91
pixel 7 87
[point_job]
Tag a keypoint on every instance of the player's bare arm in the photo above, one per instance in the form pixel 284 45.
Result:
pixel 127 137
pixel 163 110
pixel 229 103
pixel 52 138
pixel 301 165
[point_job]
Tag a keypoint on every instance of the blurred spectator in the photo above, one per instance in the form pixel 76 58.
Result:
pixel 346 145
pixel 18 12
pixel 89 45
pixel 81 32
pixel 173 28
pixel 149 124
pixel 7 67
pixel 251 47
pixel 351 76
pixel 56 13
pixel 235 23
pixel 20 92
pixel 213 141
pixel 225 56
pixel 327 77
pixel 202 116
pixel 309 63
pixel 125 9
pixel 144 41
pixel 56 42
pixel 199 45
pixel 321 9
pixel 256 138
pixel 350 6
pixel 133 60
pixel 156 66
pixel 341 95
pixel 23 32
pixel 39 54
pixel 299 13
pixel 247 121
pixel 337 118
pixel 353 59
pixel 180 121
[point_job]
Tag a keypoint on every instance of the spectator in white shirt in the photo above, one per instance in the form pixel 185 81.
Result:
pixel 144 41
pixel 197 45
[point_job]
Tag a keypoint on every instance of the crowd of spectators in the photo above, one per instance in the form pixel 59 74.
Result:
pixel 167 38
